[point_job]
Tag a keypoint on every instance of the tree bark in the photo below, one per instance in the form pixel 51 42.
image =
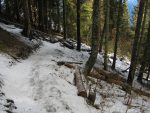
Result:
pixel 95 37
pixel 64 19
pixel 16 9
pixel 144 58
pixel 58 15
pixel 7 8
pixel 0 7
pixel 40 14
pixel 135 43
pixel 45 4
pixel 117 34
pixel 107 34
pixel 148 73
pixel 27 23
pixel 142 30
pixel 30 11
pixel 78 26
pixel 102 38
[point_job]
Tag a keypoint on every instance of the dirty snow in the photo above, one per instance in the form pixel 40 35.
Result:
pixel 39 85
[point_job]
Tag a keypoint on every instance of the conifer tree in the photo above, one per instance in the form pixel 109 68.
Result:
pixel 78 26
pixel 107 34
pixel 125 20
pixel 95 37
pixel 135 43
pixel 117 34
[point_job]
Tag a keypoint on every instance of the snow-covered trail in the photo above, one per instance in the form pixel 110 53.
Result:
pixel 39 85
pixel 17 86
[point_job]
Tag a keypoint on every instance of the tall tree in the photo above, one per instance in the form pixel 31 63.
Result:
pixel 78 26
pixel 45 6
pixel 0 6
pixel 40 14
pixel 95 37
pixel 27 23
pixel 58 15
pixel 102 38
pixel 107 33
pixel 141 40
pixel 64 19
pixel 117 34
pixel 16 10
pixel 145 56
pixel 125 20
pixel 135 43
pixel 7 2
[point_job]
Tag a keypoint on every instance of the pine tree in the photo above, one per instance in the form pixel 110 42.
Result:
pixel 135 44
pixel 145 56
pixel 107 34
pixel 45 6
pixel 0 7
pixel 27 23
pixel 117 34
pixel 78 26
pixel 95 37
pixel 64 19
pixel 125 20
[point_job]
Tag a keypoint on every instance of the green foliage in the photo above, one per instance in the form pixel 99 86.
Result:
pixel 125 21
pixel 85 19
pixel 71 18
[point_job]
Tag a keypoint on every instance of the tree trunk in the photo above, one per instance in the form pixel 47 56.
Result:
pixel 142 31
pixel 27 23
pixel 40 14
pixel 45 4
pixel 95 37
pixel 7 8
pixel 107 34
pixel 58 16
pixel 148 72
pixel 0 7
pixel 16 10
pixel 135 44
pixel 64 19
pixel 144 58
pixel 78 26
pixel 117 34
pixel 30 11
pixel 102 38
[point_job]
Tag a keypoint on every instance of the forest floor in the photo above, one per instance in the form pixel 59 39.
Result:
pixel 38 85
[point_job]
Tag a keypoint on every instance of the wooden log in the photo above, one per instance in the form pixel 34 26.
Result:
pixel 65 62
pixel 68 45
pixel 80 83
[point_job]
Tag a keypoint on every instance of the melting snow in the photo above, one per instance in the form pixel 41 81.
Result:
pixel 39 85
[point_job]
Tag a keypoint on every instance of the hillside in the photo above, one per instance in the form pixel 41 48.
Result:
pixel 38 84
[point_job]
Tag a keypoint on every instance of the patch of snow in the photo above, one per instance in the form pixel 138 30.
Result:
pixel 39 85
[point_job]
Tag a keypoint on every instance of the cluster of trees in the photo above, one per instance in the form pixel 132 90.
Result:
pixel 103 21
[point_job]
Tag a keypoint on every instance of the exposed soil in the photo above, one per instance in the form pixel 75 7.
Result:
pixel 12 46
